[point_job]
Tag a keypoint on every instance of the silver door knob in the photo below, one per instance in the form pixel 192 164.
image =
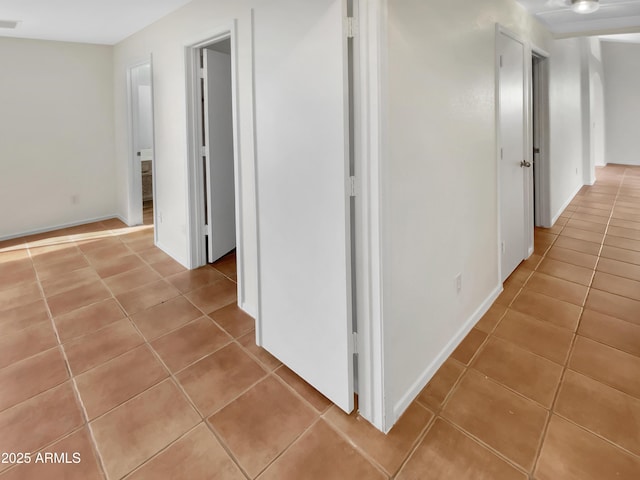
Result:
pixel 524 164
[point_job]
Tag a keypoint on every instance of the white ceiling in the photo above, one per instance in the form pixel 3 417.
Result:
pixel 614 16
pixel 87 21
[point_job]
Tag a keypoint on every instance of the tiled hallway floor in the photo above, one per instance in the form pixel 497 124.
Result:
pixel 110 349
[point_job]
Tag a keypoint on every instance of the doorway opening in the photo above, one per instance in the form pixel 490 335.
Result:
pixel 540 138
pixel 141 165
pixel 214 187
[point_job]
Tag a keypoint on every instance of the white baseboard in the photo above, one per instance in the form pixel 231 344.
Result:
pixel 53 228
pixel 565 205
pixel 177 258
pixel 430 371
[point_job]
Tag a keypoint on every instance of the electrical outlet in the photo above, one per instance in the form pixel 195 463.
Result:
pixel 459 283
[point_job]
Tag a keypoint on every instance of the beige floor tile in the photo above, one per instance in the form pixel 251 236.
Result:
pixel 469 346
pixel 19 296
pixel 25 343
pixel 601 409
pixel 79 461
pixel 629 233
pixel 77 298
pixel 439 387
pixel 389 451
pixel 620 254
pixel 528 374
pixel 118 380
pixel 621 269
pixel 39 421
pixel 98 347
pixel 577 223
pixel 88 319
pixel 190 343
pixel 611 331
pixel 623 243
pixel 579 259
pixel 543 307
pixel 69 281
pixel 248 341
pixel 165 317
pixel 219 378
pixel 235 321
pixel 23 380
pixel 571 453
pixel 110 267
pixel 578 245
pixel 214 296
pixel 138 429
pixel 194 279
pixel 18 318
pixel 537 336
pixel 262 423
pixel 580 234
pixel 167 267
pixel 490 319
pixel 196 456
pixel 446 453
pixel 321 454
pixel 614 305
pixel 131 279
pixel 566 271
pixel 607 365
pixel 147 296
pixel 557 288
pixel 502 419
pixel 617 285
pixel 306 391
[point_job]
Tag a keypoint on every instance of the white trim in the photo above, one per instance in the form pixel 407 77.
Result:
pixel 565 205
pixel 444 354
pixel 256 205
pixel 195 191
pixel 134 176
pixel 53 228
pixel 542 182
pixel 369 84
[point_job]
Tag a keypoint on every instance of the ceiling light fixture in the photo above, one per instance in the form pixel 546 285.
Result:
pixel 585 6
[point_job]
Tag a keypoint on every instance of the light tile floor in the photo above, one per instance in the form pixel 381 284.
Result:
pixel 110 349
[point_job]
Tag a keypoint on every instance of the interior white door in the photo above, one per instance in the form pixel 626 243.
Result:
pixel 512 154
pixel 301 102
pixel 219 160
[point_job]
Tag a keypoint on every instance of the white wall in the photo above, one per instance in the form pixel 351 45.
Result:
pixel 596 103
pixel 165 41
pixel 566 110
pixel 592 107
pixel 439 175
pixel 622 102
pixel 56 135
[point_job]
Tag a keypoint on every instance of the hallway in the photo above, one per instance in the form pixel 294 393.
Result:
pixel 110 348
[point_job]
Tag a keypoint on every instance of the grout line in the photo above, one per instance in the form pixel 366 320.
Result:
pixel 72 379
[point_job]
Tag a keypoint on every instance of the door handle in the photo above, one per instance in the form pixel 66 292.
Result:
pixel 524 164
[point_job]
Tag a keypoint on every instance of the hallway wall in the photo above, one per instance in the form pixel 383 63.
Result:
pixel 56 135
pixel 622 102
pixel 165 41
pixel 440 215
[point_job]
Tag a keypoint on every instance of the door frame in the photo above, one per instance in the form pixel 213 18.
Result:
pixel 539 76
pixel 134 171
pixel 370 92
pixel 195 175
